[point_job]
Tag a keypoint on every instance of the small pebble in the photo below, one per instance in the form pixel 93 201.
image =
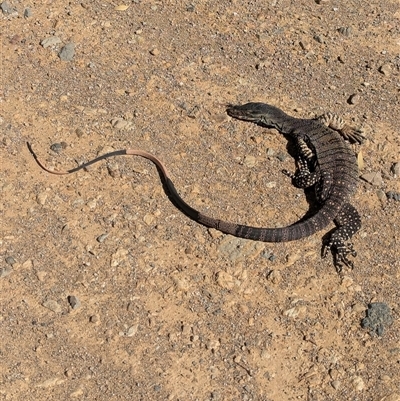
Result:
pixel 5 271
pixel 41 275
pixel 345 31
pixel 319 39
pixel 305 45
pixel 385 69
pixel 10 260
pixel 132 330
pixel 28 264
pixel 249 161
pixel 121 123
pixel 346 281
pixel 67 52
pixel 225 280
pixel 94 319
pixel 393 195
pixel 274 277
pixel 27 13
pixel 101 238
pixel 181 284
pixel 358 308
pixel 74 301
pixel 341 59
pixel 50 41
pixel 395 169
pixel 119 257
pixel 154 52
pixel 360 160
pixel 295 311
pixel 122 7
pixel 58 147
pixel 42 198
pixel 16 39
pixel 374 178
pixel 359 383
pixel 6 8
pixel 213 233
pixel 281 156
pixel 353 99
pixel 381 195
pixel 148 219
pixel 79 132
pixel 53 306
pixel 113 170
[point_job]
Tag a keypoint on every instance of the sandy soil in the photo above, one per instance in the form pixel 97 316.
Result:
pixel 108 292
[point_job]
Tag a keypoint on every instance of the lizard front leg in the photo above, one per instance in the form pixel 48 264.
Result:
pixel 305 151
pixel 303 177
pixel 337 123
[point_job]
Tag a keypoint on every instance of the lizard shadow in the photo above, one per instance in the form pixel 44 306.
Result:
pixel 180 204
pixel 173 196
pixel 309 192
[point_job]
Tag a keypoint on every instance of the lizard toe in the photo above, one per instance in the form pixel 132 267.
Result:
pixel 353 135
pixel 340 251
pixel 325 249
pixel 343 261
pixel 288 173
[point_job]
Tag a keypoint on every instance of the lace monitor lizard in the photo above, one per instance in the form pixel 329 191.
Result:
pixel 324 160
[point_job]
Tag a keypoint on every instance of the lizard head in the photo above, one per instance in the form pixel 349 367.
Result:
pixel 256 112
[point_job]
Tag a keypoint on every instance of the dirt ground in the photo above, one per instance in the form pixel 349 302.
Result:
pixel 108 292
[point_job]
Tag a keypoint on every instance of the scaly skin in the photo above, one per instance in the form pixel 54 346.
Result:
pixel 334 173
pixel 324 160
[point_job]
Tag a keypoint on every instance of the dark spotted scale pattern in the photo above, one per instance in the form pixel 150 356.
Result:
pixel 324 160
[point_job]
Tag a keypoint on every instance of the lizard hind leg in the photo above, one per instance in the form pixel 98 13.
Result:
pixel 348 222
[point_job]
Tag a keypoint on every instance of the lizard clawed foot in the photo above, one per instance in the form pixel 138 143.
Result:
pixel 352 135
pixel 340 251
pixel 340 260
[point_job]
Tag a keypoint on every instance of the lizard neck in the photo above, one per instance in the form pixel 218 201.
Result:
pixel 285 124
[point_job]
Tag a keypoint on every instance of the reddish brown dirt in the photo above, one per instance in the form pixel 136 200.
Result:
pixel 170 310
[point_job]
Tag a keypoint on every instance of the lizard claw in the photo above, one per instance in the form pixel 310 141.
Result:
pixel 324 251
pixel 340 252
pixel 288 173
pixel 352 135
pixel 341 259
